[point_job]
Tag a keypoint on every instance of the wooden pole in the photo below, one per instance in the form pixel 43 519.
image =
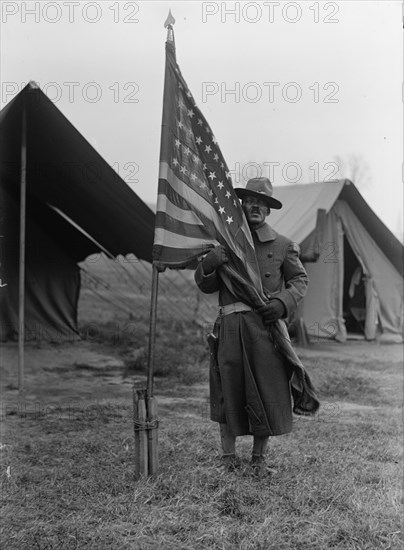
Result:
pixel 149 427
pixel 152 419
pixel 141 440
pixel 21 282
pixel 151 402
pixel 152 332
pixel 145 419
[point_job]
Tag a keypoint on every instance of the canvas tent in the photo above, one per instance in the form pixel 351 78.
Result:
pixel 76 205
pixel 356 282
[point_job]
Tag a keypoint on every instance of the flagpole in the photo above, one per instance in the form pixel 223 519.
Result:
pixel 145 419
pixel 21 272
pixel 152 333
pixel 155 275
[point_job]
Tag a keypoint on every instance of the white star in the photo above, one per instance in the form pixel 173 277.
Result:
pixel 221 165
pixel 180 104
pixel 214 140
pixel 189 94
pixel 203 185
pixel 177 143
pixel 195 157
pixel 183 170
pixel 210 192
pixel 215 156
pixel 187 150
pixel 208 148
pixel 204 166
pixel 235 203
pixel 229 220
pixel 193 177
pixel 207 129
pixel 190 113
pixel 222 210
pixel 228 194
pixel 175 162
pixel 220 184
pixel 180 124
pixel 212 175
pixel 200 122
pixel 198 140
pixel 216 201
pixel 180 85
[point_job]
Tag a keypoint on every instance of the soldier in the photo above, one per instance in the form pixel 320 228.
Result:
pixel 250 379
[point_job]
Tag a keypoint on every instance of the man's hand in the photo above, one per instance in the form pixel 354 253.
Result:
pixel 272 311
pixel 214 259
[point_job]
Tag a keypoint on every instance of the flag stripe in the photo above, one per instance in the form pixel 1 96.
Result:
pixel 182 214
pixel 178 258
pixel 173 240
pixel 164 221
pixel 177 199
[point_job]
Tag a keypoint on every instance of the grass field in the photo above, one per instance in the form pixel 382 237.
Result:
pixel 67 445
pixel 68 461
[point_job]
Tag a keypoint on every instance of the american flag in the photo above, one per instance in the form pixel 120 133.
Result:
pixel 197 207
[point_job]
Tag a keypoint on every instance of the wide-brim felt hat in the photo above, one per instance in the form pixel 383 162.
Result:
pixel 259 187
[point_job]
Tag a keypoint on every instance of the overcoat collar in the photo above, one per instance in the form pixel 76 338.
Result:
pixel 266 233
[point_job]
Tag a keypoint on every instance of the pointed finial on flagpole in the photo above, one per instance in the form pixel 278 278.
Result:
pixel 169 22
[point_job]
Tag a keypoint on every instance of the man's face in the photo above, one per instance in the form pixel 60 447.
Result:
pixel 255 210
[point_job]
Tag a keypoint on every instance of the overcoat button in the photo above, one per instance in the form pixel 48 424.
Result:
pixel 267 274
pixel 270 254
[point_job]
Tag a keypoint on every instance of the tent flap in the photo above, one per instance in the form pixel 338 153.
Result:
pixel 376 249
pixel 384 285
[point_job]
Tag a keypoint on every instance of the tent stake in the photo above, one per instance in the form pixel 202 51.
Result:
pixel 21 289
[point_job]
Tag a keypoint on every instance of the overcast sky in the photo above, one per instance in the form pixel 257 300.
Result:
pixel 289 88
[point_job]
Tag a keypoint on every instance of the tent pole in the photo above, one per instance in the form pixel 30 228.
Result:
pixel 21 290
pixel 152 331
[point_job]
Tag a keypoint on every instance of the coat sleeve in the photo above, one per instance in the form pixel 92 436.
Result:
pixel 295 277
pixel 207 283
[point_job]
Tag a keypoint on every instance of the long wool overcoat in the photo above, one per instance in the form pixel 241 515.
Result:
pixel 250 379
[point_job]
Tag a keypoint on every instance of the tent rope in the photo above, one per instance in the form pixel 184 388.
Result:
pixel 99 280
pixel 127 311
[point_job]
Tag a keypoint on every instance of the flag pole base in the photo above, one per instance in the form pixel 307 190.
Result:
pixel 145 425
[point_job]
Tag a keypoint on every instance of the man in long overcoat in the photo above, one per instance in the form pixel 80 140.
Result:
pixel 249 378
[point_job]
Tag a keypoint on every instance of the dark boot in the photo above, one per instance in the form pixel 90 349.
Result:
pixel 228 462
pixel 260 467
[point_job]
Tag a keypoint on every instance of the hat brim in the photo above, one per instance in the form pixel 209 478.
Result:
pixel 271 202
